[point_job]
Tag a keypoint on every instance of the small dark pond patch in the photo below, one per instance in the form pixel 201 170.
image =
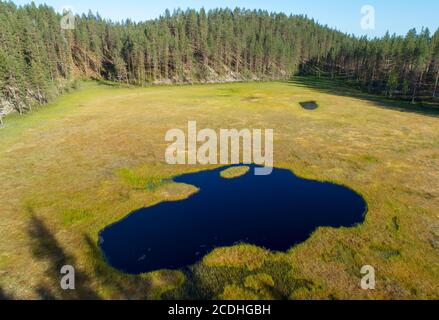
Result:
pixel 275 212
pixel 309 105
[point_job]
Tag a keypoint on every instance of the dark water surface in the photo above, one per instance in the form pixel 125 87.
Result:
pixel 309 105
pixel 275 212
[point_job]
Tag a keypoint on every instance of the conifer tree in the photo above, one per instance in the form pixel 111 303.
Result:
pixel 37 58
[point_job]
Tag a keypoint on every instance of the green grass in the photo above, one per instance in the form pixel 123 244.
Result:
pixel 70 217
pixel 72 168
pixel 142 181
pixel 243 255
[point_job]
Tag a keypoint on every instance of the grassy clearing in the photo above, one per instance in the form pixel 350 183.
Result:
pixel 86 161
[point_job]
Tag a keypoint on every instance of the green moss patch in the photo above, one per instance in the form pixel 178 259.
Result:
pixel 235 172
pixel 243 255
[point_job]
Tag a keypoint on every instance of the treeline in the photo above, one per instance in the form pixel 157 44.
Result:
pixel 396 66
pixel 38 59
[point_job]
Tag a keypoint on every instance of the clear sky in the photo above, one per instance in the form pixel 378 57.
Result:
pixel 397 16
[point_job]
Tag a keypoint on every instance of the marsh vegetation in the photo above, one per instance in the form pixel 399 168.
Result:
pixel 234 172
pixel 72 168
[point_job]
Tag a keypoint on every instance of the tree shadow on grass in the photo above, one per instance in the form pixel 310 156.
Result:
pixel 45 248
pixel 208 283
pixel 339 88
pixel 194 288
pixel 3 295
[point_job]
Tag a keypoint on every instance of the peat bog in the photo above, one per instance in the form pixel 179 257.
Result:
pixel 275 212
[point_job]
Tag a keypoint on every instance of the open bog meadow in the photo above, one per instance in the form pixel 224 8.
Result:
pixel 86 161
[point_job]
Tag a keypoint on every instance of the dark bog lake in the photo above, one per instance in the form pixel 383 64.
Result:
pixel 309 105
pixel 275 212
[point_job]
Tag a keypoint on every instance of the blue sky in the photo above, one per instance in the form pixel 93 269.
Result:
pixel 397 16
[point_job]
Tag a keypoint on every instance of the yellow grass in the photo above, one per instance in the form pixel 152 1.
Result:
pixel 70 169
pixel 243 256
pixel 234 172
